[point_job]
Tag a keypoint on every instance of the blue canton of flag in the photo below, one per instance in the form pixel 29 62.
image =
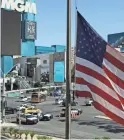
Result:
pixel 90 45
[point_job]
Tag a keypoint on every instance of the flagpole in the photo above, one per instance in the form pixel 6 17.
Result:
pixel 68 73
pixel 75 41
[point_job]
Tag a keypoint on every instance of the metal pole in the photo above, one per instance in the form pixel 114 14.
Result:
pixel 19 108
pixel 34 74
pixel 68 73
pixel 3 100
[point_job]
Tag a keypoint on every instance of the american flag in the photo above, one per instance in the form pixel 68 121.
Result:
pixel 99 71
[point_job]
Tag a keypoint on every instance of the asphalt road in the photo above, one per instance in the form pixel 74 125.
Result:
pixel 85 126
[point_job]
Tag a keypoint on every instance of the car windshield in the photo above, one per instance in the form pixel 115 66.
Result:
pixel 29 116
pixel 34 113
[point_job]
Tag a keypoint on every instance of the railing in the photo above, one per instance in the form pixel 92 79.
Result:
pixel 21 90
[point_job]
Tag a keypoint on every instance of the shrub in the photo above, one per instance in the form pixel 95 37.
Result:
pixel 11 130
pixel 43 138
pixel 26 132
pixel 15 131
pixel 32 134
pixel 105 138
pixel 20 133
pixel 4 130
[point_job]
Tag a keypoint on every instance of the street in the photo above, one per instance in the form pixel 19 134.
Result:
pixel 85 126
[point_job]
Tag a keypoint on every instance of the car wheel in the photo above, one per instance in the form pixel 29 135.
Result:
pixel 48 119
pixel 35 122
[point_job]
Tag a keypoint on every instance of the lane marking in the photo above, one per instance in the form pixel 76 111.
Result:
pixel 102 117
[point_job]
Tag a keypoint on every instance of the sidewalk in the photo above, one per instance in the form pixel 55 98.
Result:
pixel 8 125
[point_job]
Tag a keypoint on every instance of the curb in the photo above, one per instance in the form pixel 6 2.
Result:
pixel 102 117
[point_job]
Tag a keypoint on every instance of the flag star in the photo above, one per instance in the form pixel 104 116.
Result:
pixel 78 50
pixel 98 42
pixel 86 44
pixel 81 33
pixel 80 41
pixel 92 45
pixel 91 56
pixel 92 32
pixel 85 29
pixel 90 40
pixel 84 38
pixel 89 50
pixel 82 47
pixel 85 52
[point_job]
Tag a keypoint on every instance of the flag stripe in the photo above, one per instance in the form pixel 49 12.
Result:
pixel 113 69
pixel 96 83
pixel 90 65
pixel 108 105
pixel 100 92
pixel 113 77
pixel 108 113
pixel 115 54
pixel 83 93
pixel 116 63
pixel 94 74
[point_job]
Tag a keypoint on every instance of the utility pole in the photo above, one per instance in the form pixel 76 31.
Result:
pixel 68 74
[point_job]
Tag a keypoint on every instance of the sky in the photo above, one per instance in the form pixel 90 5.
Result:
pixel 105 16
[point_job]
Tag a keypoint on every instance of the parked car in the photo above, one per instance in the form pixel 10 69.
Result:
pixel 88 102
pixel 73 111
pixel 27 118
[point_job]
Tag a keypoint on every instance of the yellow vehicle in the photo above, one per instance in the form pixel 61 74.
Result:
pixel 31 110
pixel 38 97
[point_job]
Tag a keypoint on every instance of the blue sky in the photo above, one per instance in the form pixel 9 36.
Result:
pixel 106 16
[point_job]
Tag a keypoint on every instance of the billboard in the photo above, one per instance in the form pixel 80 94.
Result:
pixel 59 71
pixel 10 32
pixel 29 30
pixel 116 40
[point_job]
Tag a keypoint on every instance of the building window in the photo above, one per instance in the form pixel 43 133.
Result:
pixel 44 61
